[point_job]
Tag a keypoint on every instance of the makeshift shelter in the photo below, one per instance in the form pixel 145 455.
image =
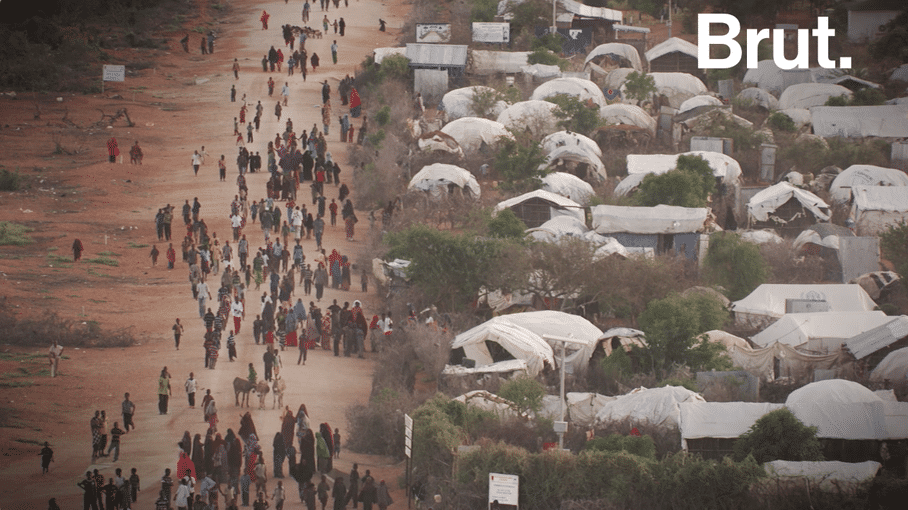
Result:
pixel 436 141
pixel 583 90
pixel 474 134
pixel 819 239
pixel 628 114
pixel 894 367
pixel 656 406
pixel 576 160
pixel 711 428
pixel 699 102
pixel 883 121
pixel 800 116
pixel 640 165
pixel 783 205
pixel 481 399
pixel 777 360
pixel 876 208
pixel 537 118
pixel 882 339
pixel 568 185
pixel 764 236
pixel 769 302
pixel 662 228
pixel 877 282
pixel 766 76
pixel 568 139
pixel 674 55
pixel 537 207
pixel 541 71
pixel 557 228
pixel 616 78
pixel 440 179
pixel 619 338
pixel 840 409
pixel 759 97
pixel 864 175
pixel 583 407
pixel 607 247
pixel 612 55
pixel 494 62
pixel 501 302
pixel 379 54
pixel 820 332
pixel 806 95
pixel 676 87
pixel 458 103
pixel 506 368
pixel 828 475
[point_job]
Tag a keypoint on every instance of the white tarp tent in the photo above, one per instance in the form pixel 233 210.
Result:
pixel 570 157
pixel 762 205
pixel 830 475
pixel 894 367
pixel 698 101
pixel 379 54
pixel 541 71
pixel 438 141
pixel 878 207
pixel 864 175
pixel 511 366
pixel 820 331
pixel 766 76
pixel 805 95
pixel 583 407
pixel 473 132
pixel 494 62
pixel 624 337
pixel 676 87
pixel 883 121
pixel 661 219
pixel 671 45
pixel 627 114
pixel 458 103
pixel 725 420
pixel 558 227
pixel 435 179
pixel 490 402
pixel 657 406
pixel 826 235
pixel 764 236
pixel 622 54
pixel 617 77
pixel 535 117
pixel 724 167
pixel 568 185
pixel 759 97
pixel 767 302
pixel 582 89
pixel 568 139
pixel 561 206
pixel 840 409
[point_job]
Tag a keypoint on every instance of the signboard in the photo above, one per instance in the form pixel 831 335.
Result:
pixel 491 32
pixel 433 32
pixel 408 436
pixel 503 491
pixel 114 73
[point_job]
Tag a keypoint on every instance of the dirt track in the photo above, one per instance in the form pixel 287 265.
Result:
pixel 111 207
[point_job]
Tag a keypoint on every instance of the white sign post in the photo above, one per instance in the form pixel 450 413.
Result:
pixel 113 73
pixel 504 489
pixel 408 451
pixel 491 32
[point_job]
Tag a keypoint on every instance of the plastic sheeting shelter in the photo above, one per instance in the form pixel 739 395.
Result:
pixel 878 207
pixel 766 203
pixel 578 160
pixel 437 179
pixel 767 302
pixel 676 87
pixel 673 55
pixel 894 367
pixel 622 55
pixel 473 133
pixel 438 141
pixel 557 228
pixel 627 114
pixel 864 175
pixel 819 332
pixel 458 103
pixel 722 420
pixel 481 399
pixel 759 97
pixel 661 219
pixel 764 236
pixel 697 102
pixel 535 117
pixel 884 121
pixel 582 89
pixel 569 186
pixel 568 139
pixel 583 407
pixel 830 475
pixel 806 95
pixel 724 167
pixel 766 76
pixel 537 207
pixel 821 235
pixel 494 62
pixel 624 338
pixel 657 406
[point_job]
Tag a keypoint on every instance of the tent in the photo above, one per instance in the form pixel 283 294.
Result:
pixel 883 121
pixel 617 77
pixel 840 409
pixel 621 338
pixel 822 235
pixel 764 236
pixel 873 340
pixel 766 76
pixel 494 62
pixel 439 177
pixel 490 402
pixel 894 367
pixel 568 185
pixel 676 87
pixel 541 71
pixel 697 102
pixel 819 332
pixel 558 227
pixel 805 95
pixel 510 366
pixel 800 116
pixel 609 247
pixel 535 117
pixel 878 207
pixel 864 175
pixel 656 406
pixel 582 89
pixel 583 407
pixel 619 54
pixel 671 45
pixel 578 160
pixel 567 138
pixel 537 207
pixel 759 97
pixel 767 204
pixel 379 54
pixel 767 303
pixel 723 420
pixel 458 103
pixel 829 475
pixel 723 166
pixel 627 114
pixel 473 133
pixel 661 219
pixel 877 282
pixel 438 141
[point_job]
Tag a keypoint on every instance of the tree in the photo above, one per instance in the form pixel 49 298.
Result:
pixel 688 185
pixel 525 393
pixel 577 116
pixel 672 326
pixel 735 264
pixel 519 163
pixel 779 435
pixel 640 86
pixel 894 41
pixel 894 242
pixel 506 225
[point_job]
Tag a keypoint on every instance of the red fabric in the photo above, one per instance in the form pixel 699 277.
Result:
pixel 291 339
pixel 269 337
pixel 236 325
pixel 354 98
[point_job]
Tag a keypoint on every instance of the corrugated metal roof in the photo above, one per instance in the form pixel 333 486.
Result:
pixel 441 55
pixel 590 12
pixel 878 338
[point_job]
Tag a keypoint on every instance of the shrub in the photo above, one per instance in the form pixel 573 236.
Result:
pixel 519 163
pixel 781 122
pixel 14 234
pixel 506 224
pixel 744 138
pixel 105 261
pixel 689 185
pixel 642 446
pixel 546 57
pixel 576 115
pixel 864 97
pixel 383 116
pixel 735 264
pixel 640 86
pixel 779 435
pixel 483 10
pixel 525 393
pixel 10 181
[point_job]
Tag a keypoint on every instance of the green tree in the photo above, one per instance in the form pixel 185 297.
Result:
pixel 506 224
pixel 640 86
pixel 894 41
pixel 519 163
pixel 483 10
pixel 576 115
pixel 894 242
pixel 779 435
pixel 642 446
pixel 546 57
pixel 688 185
pixel 526 393
pixel 672 326
pixel 735 264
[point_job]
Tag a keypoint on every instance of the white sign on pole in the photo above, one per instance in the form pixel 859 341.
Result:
pixel 114 73
pixel 433 32
pixel 491 32
pixel 408 435
pixel 504 489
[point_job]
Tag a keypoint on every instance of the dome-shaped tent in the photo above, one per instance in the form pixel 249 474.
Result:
pixel 579 161
pixel 619 54
pixel 536 117
pixel 676 87
pixel 458 103
pixel 864 175
pixel 805 95
pixel 578 87
pixel 568 185
pixel 759 97
pixel 439 178
pixel 698 101
pixel 472 133
pixel 894 366
pixel 569 139
pixel 832 391
pixel 628 114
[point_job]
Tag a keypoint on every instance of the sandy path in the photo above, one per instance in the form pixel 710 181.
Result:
pixel 326 384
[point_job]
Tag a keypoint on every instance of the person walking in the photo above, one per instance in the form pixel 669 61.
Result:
pixel 77 250
pixel 115 433
pixel 112 150
pixel 53 355
pixel 128 409
pixel 196 162
pixel 339 493
pixel 164 391
pixel 47 456
pixel 285 93
pixel 177 327
pixel 334 51
pixel 191 386
pixel 236 69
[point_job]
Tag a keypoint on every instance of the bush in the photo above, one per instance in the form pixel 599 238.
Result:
pixel 779 435
pixel 10 181
pixel 781 122
pixel 29 330
pixel 383 116
pixel 483 10
pixel 576 115
pixel 506 224
pixel 525 393
pixel 546 57
pixel 744 138
pixel 894 242
pixel 811 156
pixel 640 86
pixel 378 428
pixel 735 264
pixel 519 163
pixel 14 234
pixel 864 97
pixel 688 185
pixel 642 446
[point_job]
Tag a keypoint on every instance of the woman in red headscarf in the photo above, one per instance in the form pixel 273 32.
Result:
pixel 355 103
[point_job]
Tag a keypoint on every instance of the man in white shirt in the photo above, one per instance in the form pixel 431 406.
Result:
pixel 54 354
pixel 204 296
pixel 297 223
pixel 236 310
pixel 191 387
pixel 236 221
